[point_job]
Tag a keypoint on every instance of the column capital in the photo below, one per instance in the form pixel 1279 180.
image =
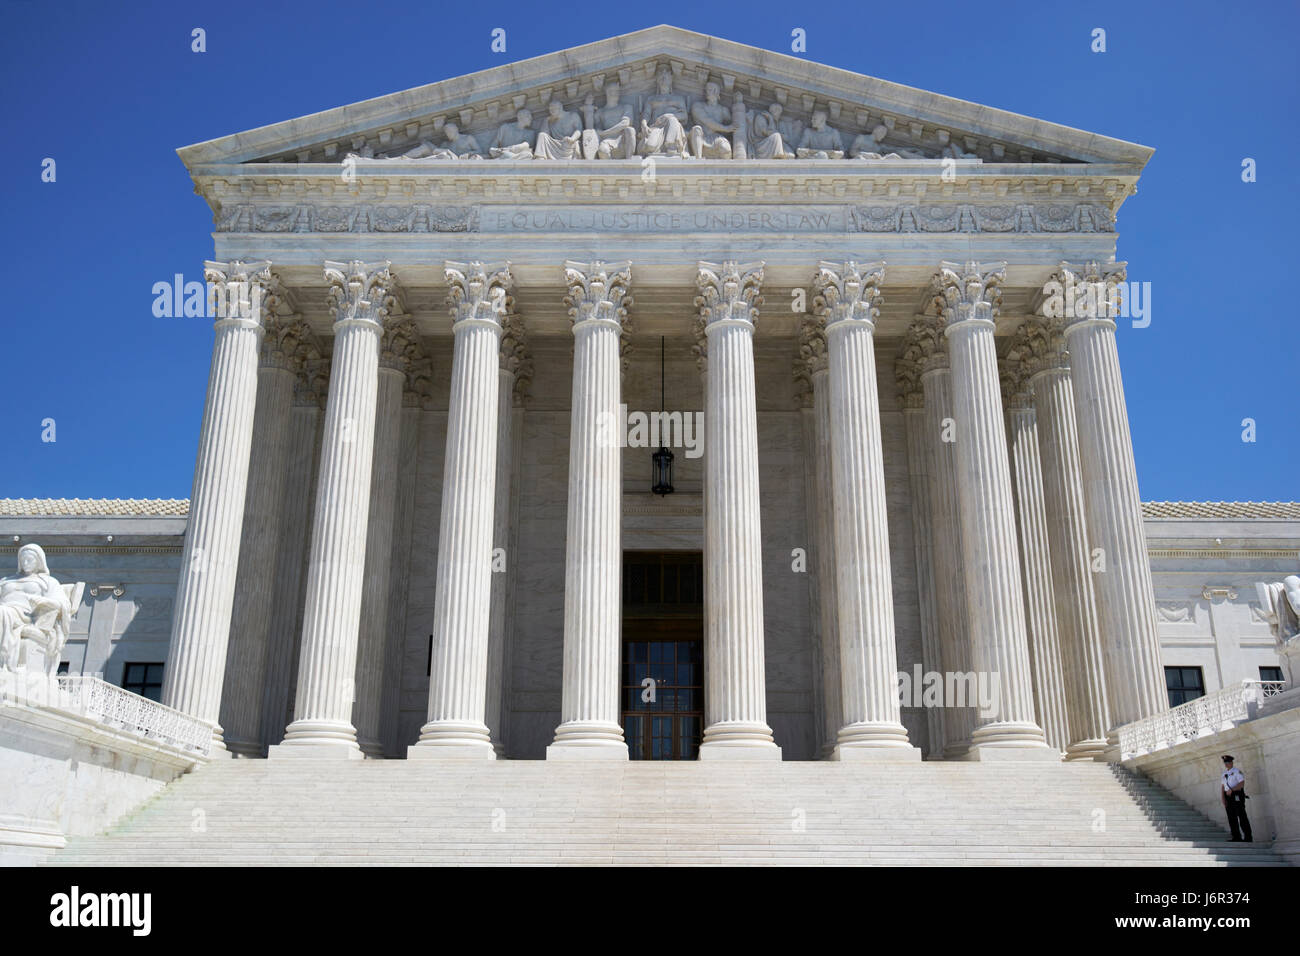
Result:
pixel 598 291
pixel 1084 293
pixel 919 344
pixel 399 343
pixel 1038 346
pixel 359 292
pixel 515 357
pixel 288 343
pixel 419 379
pixel 968 292
pixel 729 293
pixel 242 293
pixel 847 292
pixel 478 292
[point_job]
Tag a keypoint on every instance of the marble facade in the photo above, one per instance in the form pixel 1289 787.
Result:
pixel 405 530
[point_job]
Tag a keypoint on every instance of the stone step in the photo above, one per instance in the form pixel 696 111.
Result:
pixel 324 813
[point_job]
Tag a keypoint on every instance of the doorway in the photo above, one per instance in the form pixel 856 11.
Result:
pixel 662 687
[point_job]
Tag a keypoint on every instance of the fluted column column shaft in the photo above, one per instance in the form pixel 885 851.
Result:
pixel 918 467
pixel 462 607
pixel 994 599
pixel 593 550
pixel 949 565
pixel 285 630
pixel 241 708
pixel 1072 580
pixel 868 659
pixel 1125 597
pixel 336 574
pixel 196 659
pixel 378 561
pixel 500 537
pixel 1036 565
pixel 400 573
pixel 832 697
pixel 736 691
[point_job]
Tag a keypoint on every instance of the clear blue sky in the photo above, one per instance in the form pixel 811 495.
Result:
pixel 111 90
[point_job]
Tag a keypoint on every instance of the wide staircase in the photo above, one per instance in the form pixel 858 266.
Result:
pixel 533 812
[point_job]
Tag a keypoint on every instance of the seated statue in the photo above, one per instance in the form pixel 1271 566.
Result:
pixel 459 146
pixel 613 131
pixel 559 138
pixel 709 136
pixel 663 119
pixel 820 141
pixel 767 137
pixel 867 146
pixel 1280 602
pixel 35 612
pixel 514 140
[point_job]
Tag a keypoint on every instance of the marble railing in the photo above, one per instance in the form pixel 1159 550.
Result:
pixel 122 710
pixel 1202 717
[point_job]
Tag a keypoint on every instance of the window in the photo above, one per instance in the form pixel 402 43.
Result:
pixel 1184 684
pixel 63 668
pixel 143 679
pixel 1271 673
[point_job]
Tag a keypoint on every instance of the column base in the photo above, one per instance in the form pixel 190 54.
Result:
pixel 372 749
pixel 318 739
pixel 873 734
pixel 867 753
pixel 588 740
pixel 738 740
pixel 1011 740
pixel 453 740
pixel 315 750
pixel 243 749
pixel 1094 749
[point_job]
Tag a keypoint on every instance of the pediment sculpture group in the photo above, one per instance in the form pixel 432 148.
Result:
pixel 667 125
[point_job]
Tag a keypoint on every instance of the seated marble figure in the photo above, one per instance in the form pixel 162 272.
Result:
pixel 35 613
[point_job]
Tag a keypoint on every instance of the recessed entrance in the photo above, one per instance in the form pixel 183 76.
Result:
pixel 663 654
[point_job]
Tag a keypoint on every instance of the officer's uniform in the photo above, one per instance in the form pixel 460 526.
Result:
pixel 1235 803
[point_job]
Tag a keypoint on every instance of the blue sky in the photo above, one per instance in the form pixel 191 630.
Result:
pixel 111 90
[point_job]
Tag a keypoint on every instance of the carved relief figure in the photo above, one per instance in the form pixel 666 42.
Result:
pixel 615 126
pixel 709 139
pixel 868 146
pixel 35 607
pixel 663 119
pixel 559 137
pixel 459 146
pixel 769 139
pixel 820 141
pixel 514 140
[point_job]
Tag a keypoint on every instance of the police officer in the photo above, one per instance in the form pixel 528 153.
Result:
pixel 1234 800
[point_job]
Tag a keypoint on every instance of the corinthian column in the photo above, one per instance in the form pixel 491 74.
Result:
pixel 284 347
pixel 967 298
pixel 399 347
pixel 735 704
pixel 196 659
pixel 462 613
pixel 812 349
pixel 907 375
pixel 1067 535
pixel 940 431
pixel 512 380
pixel 1035 558
pixel 598 300
pixel 360 298
pixel 844 298
pixel 1125 597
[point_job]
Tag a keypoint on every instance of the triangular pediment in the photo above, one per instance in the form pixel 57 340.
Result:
pixel 916 124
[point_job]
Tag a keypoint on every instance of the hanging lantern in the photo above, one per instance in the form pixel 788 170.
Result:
pixel 662 460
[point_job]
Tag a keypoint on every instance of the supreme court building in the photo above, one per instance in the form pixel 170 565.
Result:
pixel 411 534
